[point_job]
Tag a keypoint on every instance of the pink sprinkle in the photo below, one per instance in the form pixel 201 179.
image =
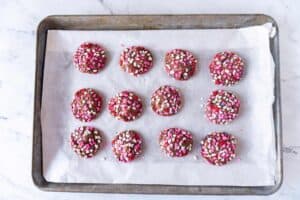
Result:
pixel 222 107
pixel 218 148
pixel 180 64
pixel 85 141
pixel 136 60
pixel 226 68
pixel 89 58
pixel 86 104
pixel 126 106
pixel 176 142
pixel 127 145
pixel 166 101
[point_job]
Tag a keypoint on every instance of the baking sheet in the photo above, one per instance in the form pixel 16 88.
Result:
pixel 255 164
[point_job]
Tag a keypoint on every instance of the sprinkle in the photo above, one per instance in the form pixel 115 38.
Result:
pixel 180 64
pixel 86 104
pixel 222 107
pixel 127 145
pixel 166 101
pixel 226 68
pixel 89 58
pixel 136 60
pixel 86 141
pixel 218 148
pixel 176 142
pixel 126 106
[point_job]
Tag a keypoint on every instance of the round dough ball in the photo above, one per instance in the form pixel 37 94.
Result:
pixel 218 148
pixel 226 68
pixel 222 107
pixel 86 141
pixel 180 64
pixel 166 101
pixel 176 142
pixel 136 60
pixel 86 104
pixel 127 145
pixel 89 58
pixel 126 106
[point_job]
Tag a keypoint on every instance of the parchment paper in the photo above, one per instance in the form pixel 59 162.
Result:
pixel 253 128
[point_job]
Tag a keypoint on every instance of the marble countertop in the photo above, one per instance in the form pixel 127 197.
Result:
pixel 19 19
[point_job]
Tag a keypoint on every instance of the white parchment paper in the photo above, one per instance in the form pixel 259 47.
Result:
pixel 253 128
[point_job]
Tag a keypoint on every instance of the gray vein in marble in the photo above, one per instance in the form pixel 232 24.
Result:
pixel 291 78
pixel 9 57
pixel 293 39
pixel 2 117
pixel 107 7
pixel 31 16
pixel 20 136
pixel 7 180
pixel 18 31
pixel 291 149
pixel 14 184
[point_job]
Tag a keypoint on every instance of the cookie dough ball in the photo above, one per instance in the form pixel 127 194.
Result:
pixel 180 64
pixel 226 68
pixel 86 104
pixel 176 142
pixel 89 58
pixel 126 106
pixel 136 60
pixel 166 101
pixel 222 107
pixel 86 141
pixel 127 145
pixel 218 148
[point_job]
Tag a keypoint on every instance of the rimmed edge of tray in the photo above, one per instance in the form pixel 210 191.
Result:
pixel 144 22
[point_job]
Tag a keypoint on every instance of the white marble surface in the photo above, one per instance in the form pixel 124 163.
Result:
pixel 19 19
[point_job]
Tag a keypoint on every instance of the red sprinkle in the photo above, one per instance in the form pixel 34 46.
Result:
pixel 176 142
pixel 166 101
pixel 136 60
pixel 218 148
pixel 86 104
pixel 127 145
pixel 126 106
pixel 180 64
pixel 86 141
pixel 222 107
pixel 89 58
pixel 227 68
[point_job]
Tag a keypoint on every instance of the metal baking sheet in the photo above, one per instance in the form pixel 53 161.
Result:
pixel 149 23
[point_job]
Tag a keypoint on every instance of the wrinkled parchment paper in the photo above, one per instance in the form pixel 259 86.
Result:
pixel 254 165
